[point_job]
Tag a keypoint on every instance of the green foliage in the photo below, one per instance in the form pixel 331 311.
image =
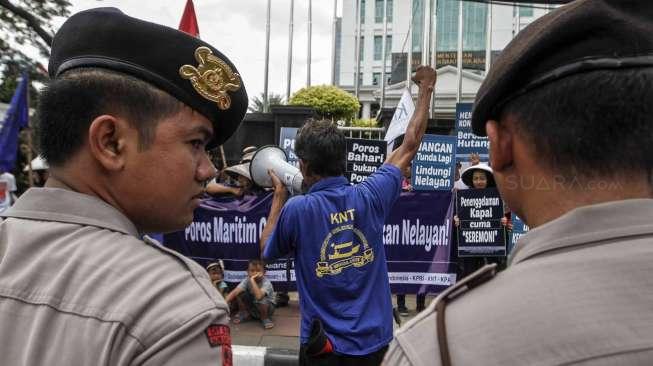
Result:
pixel 256 104
pixel 26 24
pixel 330 102
pixel 365 122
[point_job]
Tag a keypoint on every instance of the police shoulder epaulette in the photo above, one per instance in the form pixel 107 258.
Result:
pixel 475 279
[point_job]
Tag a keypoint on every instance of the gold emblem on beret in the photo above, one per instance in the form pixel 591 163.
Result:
pixel 212 78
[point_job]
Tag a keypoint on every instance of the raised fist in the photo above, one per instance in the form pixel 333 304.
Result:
pixel 425 77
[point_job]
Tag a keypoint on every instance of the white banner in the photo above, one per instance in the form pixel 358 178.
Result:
pixel 422 278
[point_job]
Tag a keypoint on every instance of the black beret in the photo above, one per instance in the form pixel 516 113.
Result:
pixel 582 36
pixel 186 67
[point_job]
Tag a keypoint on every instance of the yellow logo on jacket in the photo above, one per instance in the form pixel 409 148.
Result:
pixel 338 253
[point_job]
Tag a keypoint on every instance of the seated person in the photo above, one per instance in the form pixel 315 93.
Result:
pixel 216 273
pixel 255 296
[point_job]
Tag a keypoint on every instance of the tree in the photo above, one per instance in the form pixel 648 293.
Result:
pixel 26 23
pixel 256 104
pixel 329 101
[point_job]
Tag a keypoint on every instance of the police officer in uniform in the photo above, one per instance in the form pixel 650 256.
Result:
pixel 124 124
pixel 568 109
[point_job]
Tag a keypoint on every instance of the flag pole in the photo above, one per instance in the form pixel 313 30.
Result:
pixel 385 52
pixel 357 51
pixel 434 50
pixel 266 100
pixel 488 40
pixel 310 30
pixel 459 88
pixel 290 27
pixel 409 57
pixel 30 156
pixel 333 42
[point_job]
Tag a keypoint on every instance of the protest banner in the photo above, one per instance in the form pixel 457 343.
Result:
pixel 287 137
pixel 467 142
pixel 480 232
pixel 519 228
pixel 417 239
pixel 229 228
pixel 433 165
pixel 363 158
pixel 416 236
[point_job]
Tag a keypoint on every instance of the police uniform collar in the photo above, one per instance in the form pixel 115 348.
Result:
pixel 68 206
pixel 587 225
pixel 328 182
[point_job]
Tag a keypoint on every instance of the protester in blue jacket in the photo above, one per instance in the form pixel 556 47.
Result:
pixel 335 232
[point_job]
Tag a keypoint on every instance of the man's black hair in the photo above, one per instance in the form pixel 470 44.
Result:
pixel 68 105
pixel 595 124
pixel 323 147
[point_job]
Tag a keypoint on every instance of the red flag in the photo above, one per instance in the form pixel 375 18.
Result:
pixel 188 22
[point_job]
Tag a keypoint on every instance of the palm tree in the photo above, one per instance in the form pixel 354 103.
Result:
pixel 256 104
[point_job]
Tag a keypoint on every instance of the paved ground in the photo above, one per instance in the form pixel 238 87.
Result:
pixel 285 334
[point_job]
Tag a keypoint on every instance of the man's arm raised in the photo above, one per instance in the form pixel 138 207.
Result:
pixel 279 197
pixel 425 79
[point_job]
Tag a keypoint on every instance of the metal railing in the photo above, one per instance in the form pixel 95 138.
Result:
pixel 371 133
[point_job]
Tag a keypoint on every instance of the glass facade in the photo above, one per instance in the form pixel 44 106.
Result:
pixel 474 25
pixel 525 11
pixel 362 11
pixel 418 25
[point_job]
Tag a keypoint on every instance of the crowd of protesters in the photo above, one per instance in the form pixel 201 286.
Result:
pixel 567 103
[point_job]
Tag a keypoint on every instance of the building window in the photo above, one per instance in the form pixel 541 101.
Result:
pixel 361 46
pixel 378 47
pixel 378 11
pixel 525 11
pixel 360 78
pixel 362 11
pixel 474 21
pixel 376 78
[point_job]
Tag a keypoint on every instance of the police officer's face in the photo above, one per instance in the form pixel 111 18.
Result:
pixel 166 181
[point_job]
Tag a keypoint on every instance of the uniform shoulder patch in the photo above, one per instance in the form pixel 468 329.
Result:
pixel 219 335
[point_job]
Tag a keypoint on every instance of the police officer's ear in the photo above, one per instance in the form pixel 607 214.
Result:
pixel 501 145
pixel 107 138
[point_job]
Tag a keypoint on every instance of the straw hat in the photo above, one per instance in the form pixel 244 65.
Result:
pixel 240 169
pixel 468 175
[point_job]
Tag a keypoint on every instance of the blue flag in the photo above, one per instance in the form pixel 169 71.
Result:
pixel 17 118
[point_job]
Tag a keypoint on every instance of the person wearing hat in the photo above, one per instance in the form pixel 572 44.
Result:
pixel 40 167
pixel 124 124
pixel 568 113
pixel 216 273
pixel 240 173
pixel 478 176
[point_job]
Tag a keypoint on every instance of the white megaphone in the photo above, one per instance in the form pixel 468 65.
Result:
pixel 274 158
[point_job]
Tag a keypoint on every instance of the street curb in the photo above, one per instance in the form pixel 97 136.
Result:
pixel 263 356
